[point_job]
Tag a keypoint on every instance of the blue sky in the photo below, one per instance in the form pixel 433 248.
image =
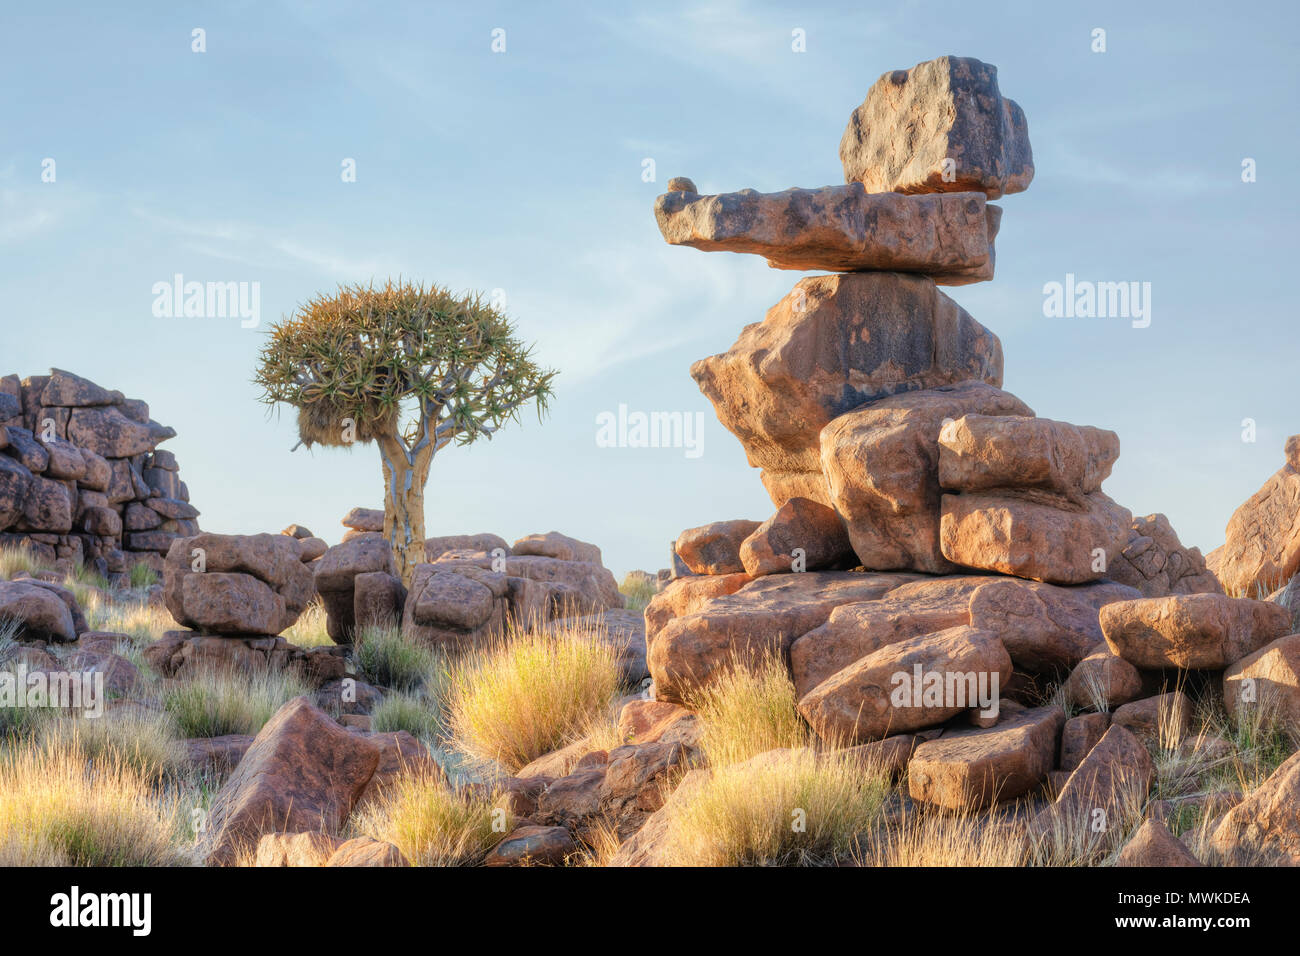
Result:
pixel 522 171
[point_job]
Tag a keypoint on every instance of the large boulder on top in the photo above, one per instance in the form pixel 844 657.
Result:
pixel 832 344
pixel 942 126
pixel 882 464
pixel 235 583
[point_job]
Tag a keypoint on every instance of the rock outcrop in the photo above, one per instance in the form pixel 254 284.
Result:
pixel 82 480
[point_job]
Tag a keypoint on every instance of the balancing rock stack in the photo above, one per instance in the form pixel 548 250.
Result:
pixel 926 519
pixel 82 479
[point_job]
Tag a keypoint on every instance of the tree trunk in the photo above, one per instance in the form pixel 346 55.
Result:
pixel 405 475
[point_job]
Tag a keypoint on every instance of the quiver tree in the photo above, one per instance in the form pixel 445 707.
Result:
pixel 408 368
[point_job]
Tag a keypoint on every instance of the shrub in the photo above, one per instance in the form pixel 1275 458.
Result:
pixel 309 630
pixel 389 659
pixel 529 693
pixel 145 743
pixel 433 824
pixel 141 576
pixel 409 712
pixel 779 808
pixel 750 708
pixel 56 807
pixel 638 588
pixel 213 703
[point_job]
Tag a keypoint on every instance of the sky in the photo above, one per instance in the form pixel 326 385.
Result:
pixel 522 172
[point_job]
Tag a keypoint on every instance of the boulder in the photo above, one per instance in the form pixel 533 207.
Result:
pixel 40 613
pixel 1262 547
pixel 302 773
pixel 108 432
pixel 908 685
pixel 1155 562
pixel 1109 784
pixel 1268 679
pixel 771 612
pixel 454 605
pixel 1190 631
pixel 1164 720
pixel 686 595
pixel 66 389
pixel 984 452
pixel 1102 680
pixel 803 535
pixel 973 768
pixel 948 237
pixel 250 584
pixel 942 126
pixel 434 548
pixel 364 519
pixel 1028 535
pixel 1154 845
pixel 881 463
pixel 335 575
pixel 533 846
pixel 832 344
pixel 714 548
pixel 1264 828
pixel 1079 735
pixel 552 544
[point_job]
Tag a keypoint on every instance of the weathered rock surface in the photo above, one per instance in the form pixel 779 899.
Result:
pixel 1109 784
pixel 983 452
pixel 41 614
pixel 975 768
pixel 1189 631
pixel 948 237
pixel 1261 551
pixel 1155 562
pixel 768 613
pixel 831 345
pixel 1264 829
pixel 881 462
pixel 942 126
pixel 1102 680
pixel 250 584
pixel 884 692
pixel 1032 536
pixel 803 535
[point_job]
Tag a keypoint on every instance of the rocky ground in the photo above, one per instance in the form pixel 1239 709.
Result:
pixel 945 646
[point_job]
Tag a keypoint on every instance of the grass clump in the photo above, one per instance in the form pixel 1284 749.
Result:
pixel 309 630
pixel 529 693
pixel 141 576
pixel 750 708
pixel 146 743
pixel 213 702
pixel 434 824
pixel 58 808
pixel 388 658
pixel 409 712
pixel 637 589
pixel 783 807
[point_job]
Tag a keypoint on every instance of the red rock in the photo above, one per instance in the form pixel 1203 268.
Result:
pixel 533 846
pixel 363 851
pixel 1264 828
pixel 1262 547
pixel 1209 631
pixel 1165 719
pixel 1079 735
pixel 870 698
pixel 881 463
pixel 714 548
pixel 1154 845
pixel 1102 680
pixel 803 535
pixel 1155 562
pixel 1268 679
pixel 975 768
pixel 303 772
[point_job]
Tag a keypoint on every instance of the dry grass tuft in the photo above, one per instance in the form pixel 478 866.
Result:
pixel 749 709
pixel 529 693
pixel 433 824
pixel 213 703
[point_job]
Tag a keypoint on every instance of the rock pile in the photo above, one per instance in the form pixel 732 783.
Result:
pixel 82 480
pixel 471 586
pixel 928 524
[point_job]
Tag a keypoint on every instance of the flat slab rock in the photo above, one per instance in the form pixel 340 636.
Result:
pixel 866 701
pixel 948 236
pixel 771 612
pixel 977 767
pixel 942 126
